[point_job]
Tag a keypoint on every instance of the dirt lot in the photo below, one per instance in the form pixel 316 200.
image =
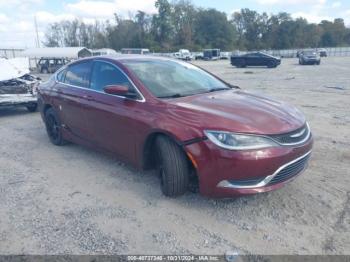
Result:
pixel 70 199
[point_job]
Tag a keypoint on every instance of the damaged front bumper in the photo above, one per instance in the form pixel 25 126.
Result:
pixel 20 91
pixel 17 99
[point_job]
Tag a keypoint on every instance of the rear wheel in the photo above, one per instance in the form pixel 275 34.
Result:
pixel 32 107
pixel 53 127
pixel 172 166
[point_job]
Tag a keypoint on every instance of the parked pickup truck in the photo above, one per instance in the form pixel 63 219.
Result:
pixel 17 86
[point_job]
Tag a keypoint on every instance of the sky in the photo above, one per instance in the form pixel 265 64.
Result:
pixel 17 28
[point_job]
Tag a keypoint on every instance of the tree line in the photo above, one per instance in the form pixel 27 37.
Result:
pixel 181 24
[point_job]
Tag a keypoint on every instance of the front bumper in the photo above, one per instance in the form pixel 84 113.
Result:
pixel 311 61
pixel 226 173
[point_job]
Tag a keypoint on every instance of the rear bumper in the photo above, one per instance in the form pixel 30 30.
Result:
pixel 226 173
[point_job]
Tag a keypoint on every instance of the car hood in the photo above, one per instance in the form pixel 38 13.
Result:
pixel 237 111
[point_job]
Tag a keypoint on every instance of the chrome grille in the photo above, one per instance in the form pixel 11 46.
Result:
pixel 298 136
pixel 290 171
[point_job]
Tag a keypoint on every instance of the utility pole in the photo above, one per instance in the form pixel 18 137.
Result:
pixel 36 31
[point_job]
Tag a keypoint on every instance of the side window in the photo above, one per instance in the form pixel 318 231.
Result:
pixel 78 74
pixel 60 76
pixel 104 74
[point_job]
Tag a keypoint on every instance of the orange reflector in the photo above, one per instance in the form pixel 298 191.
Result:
pixel 192 160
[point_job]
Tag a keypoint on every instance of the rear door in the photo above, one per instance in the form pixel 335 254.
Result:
pixel 249 59
pixel 255 59
pixel 264 60
pixel 73 99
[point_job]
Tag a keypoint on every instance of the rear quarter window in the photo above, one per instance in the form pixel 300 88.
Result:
pixel 60 76
pixel 78 74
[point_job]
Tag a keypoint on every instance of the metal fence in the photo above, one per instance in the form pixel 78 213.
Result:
pixel 285 53
pixel 10 52
pixel 331 51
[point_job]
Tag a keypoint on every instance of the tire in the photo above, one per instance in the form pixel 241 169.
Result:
pixel 44 71
pixel 271 64
pixel 53 127
pixel 32 107
pixel 318 63
pixel 172 166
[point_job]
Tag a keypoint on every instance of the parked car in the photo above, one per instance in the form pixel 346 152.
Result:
pixel 255 59
pixel 17 86
pixel 309 57
pixel 189 125
pixel 51 65
pixel 185 54
pixel 322 52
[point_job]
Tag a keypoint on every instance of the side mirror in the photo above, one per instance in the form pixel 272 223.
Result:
pixel 116 90
pixel 119 90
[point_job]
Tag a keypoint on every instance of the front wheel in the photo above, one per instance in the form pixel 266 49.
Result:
pixel 53 127
pixel 271 64
pixel 173 167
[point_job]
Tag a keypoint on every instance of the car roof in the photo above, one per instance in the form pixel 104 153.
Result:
pixel 124 58
pixel 129 57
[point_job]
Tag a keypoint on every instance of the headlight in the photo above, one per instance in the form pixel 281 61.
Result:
pixel 235 141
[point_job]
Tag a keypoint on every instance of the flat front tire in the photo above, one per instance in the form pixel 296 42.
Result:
pixel 172 166
pixel 53 127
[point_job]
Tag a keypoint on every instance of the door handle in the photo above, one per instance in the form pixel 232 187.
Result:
pixel 87 97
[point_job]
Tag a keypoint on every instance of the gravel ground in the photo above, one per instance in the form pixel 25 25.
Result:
pixel 73 200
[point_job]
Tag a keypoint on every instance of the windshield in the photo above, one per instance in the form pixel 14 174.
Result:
pixel 167 78
pixel 310 53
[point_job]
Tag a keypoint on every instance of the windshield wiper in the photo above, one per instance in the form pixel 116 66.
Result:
pixel 218 89
pixel 171 96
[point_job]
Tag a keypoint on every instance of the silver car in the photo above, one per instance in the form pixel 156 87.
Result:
pixel 309 58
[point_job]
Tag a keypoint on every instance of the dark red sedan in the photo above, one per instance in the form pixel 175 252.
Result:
pixel 193 127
